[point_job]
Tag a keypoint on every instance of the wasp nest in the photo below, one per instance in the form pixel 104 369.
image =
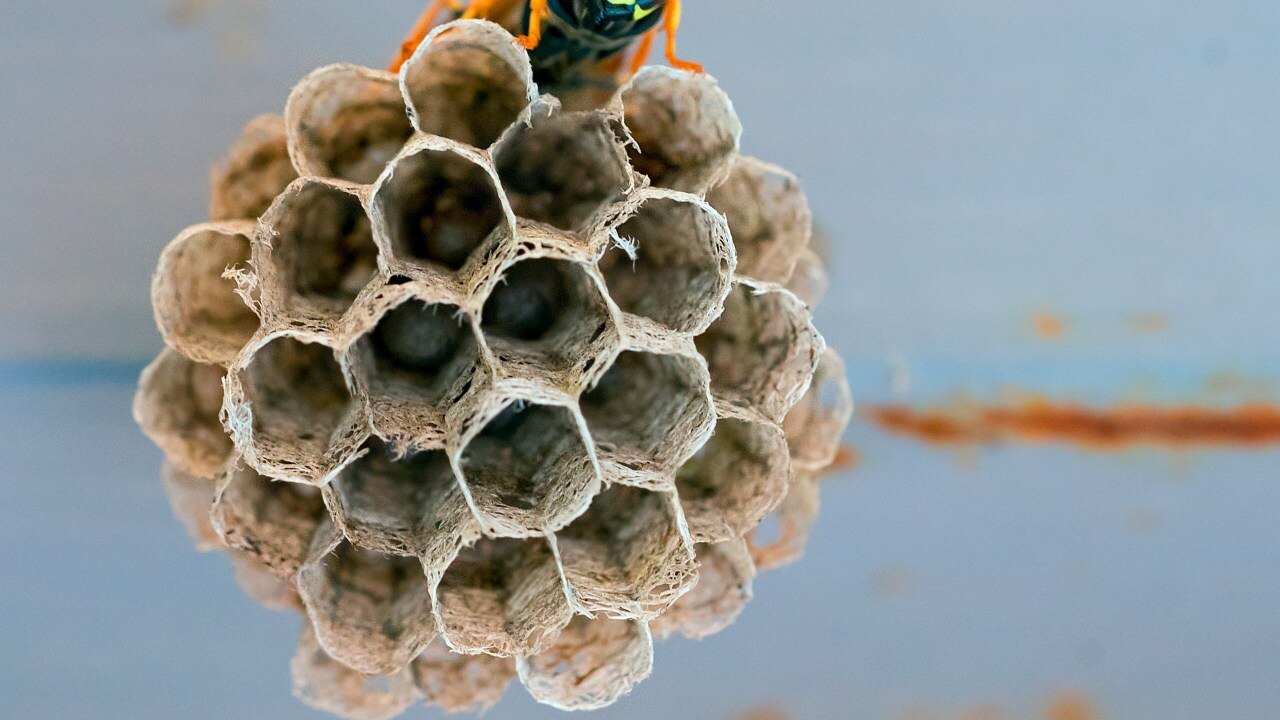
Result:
pixel 488 388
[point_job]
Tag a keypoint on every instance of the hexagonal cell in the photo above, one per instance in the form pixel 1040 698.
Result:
pixel 526 467
pixel 410 506
pixel 671 262
pixel 628 555
pixel 177 406
pixel 768 215
pixel 735 480
pixel 346 122
pixel 435 206
pixel 315 251
pixel 780 540
pixel 269 520
pixel 329 686
pixel 190 498
pixel 459 683
pixel 725 574
pixel 547 317
pixel 809 279
pixel 289 412
pixel 256 170
pixel 502 597
pixel 763 351
pixel 467 82
pixel 647 415
pixel 371 612
pixel 592 664
pixel 684 126
pixel 411 367
pixel 197 309
pixel 815 425
pixel 562 168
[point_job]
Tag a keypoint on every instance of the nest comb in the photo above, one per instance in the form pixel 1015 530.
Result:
pixel 488 388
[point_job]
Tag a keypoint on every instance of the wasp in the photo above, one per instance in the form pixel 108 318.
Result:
pixel 564 35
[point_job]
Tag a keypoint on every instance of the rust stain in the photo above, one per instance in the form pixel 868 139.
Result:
pixel 1070 706
pixel 766 711
pixel 1042 421
pixel 1048 326
pixel 1149 323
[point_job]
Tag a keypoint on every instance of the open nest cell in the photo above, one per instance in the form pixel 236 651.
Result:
pixel 270 520
pixel 435 206
pixel 317 250
pixel 733 481
pixel 346 122
pixel 592 663
pixel 528 470
pixel 768 215
pixel 467 82
pixel 197 309
pixel 255 171
pixel 562 168
pixel 371 611
pixel 415 363
pixel 502 597
pixel 725 576
pixel 290 413
pixel 685 130
pixel 647 415
pixel 627 556
pixel 177 406
pixel 546 317
pixel 409 506
pixel 671 262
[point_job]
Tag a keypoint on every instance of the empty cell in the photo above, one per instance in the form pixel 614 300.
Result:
pixel 529 470
pixel 330 686
pixel 685 130
pixel 410 506
pixel 177 406
pixel 733 481
pixel 768 215
pixel 270 520
pixel 562 168
pixel 762 351
pixel 371 611
pixel 725 575
pixel 816 423
pixel 347 122
pixel 458 683
pixel 502 597
pixel 673 263
pixel 255 171
pixel 322 249
pixel 438 207
pixel 781 538
pixel 592 664
pixel 546 312
pixel 197 309
pixel 626 556
pixel 427 347
pixel 649 411
pixel 468 83
pixel 299 413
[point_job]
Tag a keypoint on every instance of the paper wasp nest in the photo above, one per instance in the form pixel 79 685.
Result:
pixel 488 388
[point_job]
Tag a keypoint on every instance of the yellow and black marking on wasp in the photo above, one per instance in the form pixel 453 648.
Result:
pixel 565 35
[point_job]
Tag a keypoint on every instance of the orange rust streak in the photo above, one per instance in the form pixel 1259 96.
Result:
pixel 1049 327
pixel 1119 427
pixel 1070 706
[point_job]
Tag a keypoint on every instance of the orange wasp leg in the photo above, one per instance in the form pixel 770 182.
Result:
pixel 671 23
pixel 643 50
pixel 537 11
pixel 420 30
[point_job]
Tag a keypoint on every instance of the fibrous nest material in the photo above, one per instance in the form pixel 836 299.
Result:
pixel 488 388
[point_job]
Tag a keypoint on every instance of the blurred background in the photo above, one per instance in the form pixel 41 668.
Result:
pixel 1073 200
